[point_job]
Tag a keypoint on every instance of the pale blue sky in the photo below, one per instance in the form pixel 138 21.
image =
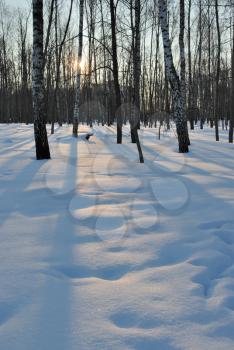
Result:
pixel 18 3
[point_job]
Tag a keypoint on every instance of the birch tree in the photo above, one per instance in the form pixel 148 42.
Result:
pixel 78 77
pixel 183 63
pixel 59 50
pixel 174 81
pixel 113 8
pixel 41 140
pixel 232 92
pixel 136 76
pixel 190 68
pixel 217 72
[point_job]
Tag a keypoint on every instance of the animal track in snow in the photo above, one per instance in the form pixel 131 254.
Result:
pixel 148 343
pixel 7 311
pixel 226 236
pixel 229 302
pixel 214 265
pixel 111 273
pixel 132 319
pixel 215 224
pixel 218 261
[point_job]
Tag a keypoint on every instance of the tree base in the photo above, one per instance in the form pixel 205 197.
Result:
pixel 41 141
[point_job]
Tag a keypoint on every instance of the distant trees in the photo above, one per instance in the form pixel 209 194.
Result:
pixel 122 63
pixel 41 140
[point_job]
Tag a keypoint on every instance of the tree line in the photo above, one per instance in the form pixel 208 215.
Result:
pixel 127 60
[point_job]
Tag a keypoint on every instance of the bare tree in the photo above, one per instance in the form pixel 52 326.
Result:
pixel 136 77
pixel 183 64
pixel 79 59
pixel 217 72
pixel 174 81
pixel 232 92
pixel 41 140
pixel 190 112
pixel 113 9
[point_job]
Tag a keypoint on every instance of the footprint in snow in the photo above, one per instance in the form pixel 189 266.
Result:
pixel 112 273
pixel 215 224
pixel 214 266
pixel 228 302
pixel 7 311
pixel 132 319
pixel 225 236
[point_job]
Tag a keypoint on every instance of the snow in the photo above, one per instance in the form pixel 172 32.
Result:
pixel 100 252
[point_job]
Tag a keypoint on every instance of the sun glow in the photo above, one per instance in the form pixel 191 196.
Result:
pixel 76 65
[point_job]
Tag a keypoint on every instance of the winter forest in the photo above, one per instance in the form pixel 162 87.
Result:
pixel 116 174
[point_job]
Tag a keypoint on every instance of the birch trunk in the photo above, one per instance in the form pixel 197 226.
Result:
pixel 217 72
pixel 199 95
pixel 40 133
pixel 80 51
pixel 190 112
pixel 136 77
pixel 116 70
pixel 182 52
pixel 183 63
pixel 174 81
pixel 232 95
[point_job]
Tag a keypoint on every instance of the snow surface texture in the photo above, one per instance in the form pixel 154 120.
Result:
pixel 99 252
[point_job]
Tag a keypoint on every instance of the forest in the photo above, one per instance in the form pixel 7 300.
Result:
pixel 116 174
pixel 121 62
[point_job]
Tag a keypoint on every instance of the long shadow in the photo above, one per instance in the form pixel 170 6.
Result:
pixel 52 325
pixel 56 313
pixel 12 197
pixel 62 255
pixel 184 169
pixel 202 204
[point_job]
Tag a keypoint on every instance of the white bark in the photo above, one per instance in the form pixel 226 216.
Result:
pixel 41 140
pixel 174 80
pixel 182 52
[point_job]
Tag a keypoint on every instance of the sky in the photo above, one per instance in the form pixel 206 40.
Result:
pixel 17 3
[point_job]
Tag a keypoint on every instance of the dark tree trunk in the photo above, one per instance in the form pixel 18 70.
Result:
pixel 116 71
pixel 183 64
pixel 41 140
pixel 232 96
pixel 217 73
pixel 136 76
pixel 80 51
pixel 190 105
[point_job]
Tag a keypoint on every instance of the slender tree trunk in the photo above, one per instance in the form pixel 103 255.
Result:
pixel 190 105
pixel 217 73
pixel 80 51
pixel 41 140
pixel 136 77
pixel 182 52
pixel 200 83
pixel 183 63
pixel 232 94
pixel 50 20
pixel 209 65
pixel 105 63
pixel 173 80
pixel 116 70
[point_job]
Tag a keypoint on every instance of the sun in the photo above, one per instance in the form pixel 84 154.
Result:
pixel 76 64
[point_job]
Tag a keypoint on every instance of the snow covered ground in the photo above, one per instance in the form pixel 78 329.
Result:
pixel 99 252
